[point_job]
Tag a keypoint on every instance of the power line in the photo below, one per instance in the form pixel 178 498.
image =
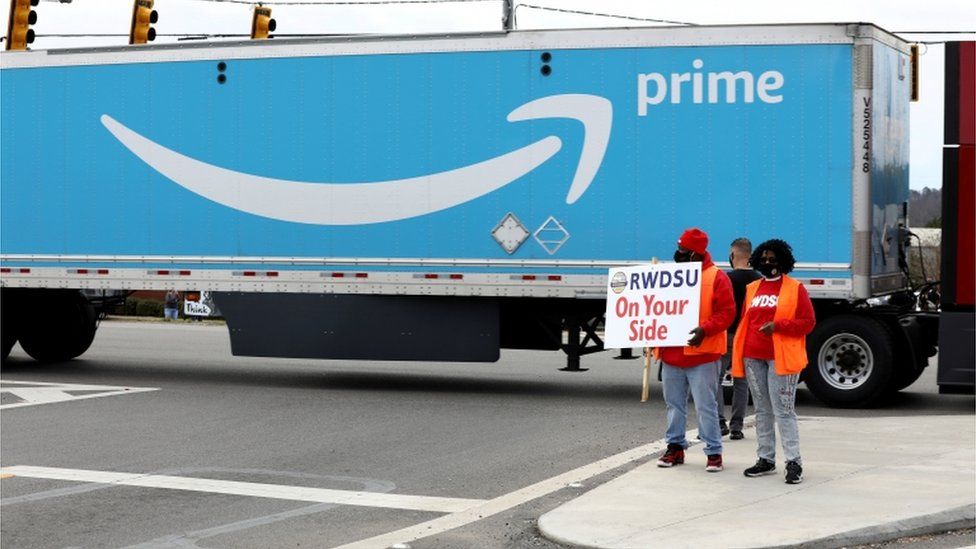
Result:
pixel 191 35
pixel 931 42
pixel 340 2
pixel 599 14
pixel 935 32
pixel 119 34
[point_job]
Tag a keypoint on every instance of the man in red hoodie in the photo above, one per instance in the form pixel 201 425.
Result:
pixel 695 367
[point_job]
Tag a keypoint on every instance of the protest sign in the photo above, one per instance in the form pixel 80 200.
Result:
pixel 652 305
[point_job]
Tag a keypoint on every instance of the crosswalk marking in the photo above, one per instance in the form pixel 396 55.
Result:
pixel 251 489
pixel 32 393
pixel 507 501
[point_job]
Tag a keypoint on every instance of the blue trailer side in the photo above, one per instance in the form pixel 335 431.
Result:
pixel 477 186
pixel 381 119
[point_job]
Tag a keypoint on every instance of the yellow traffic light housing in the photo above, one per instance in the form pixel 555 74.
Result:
pixel 19 33
pixel 262 24
pixel 143 17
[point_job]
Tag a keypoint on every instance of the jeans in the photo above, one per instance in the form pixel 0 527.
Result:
pixel 170 314
pixel 701 382
pixel 775 399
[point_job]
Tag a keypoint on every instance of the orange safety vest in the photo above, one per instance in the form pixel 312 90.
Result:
pixel 715 344
pixel 789 352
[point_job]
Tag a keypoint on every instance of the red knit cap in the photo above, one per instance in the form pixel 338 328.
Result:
pixel 694 239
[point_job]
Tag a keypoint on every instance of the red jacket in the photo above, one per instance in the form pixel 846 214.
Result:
pixel 723 313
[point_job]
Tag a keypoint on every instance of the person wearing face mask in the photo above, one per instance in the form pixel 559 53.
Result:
pixel 695 366
pixel 741 275
pixel 769 349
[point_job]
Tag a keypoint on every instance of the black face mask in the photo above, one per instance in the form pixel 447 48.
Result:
pixel 682 257
pixel 768 270
pixel 731 262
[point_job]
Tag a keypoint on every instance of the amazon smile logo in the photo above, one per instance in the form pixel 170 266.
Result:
pixel 324 203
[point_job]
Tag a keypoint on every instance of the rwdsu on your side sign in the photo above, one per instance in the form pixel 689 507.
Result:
pixel 652 305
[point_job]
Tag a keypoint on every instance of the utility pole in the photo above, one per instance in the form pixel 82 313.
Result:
pixel 508 15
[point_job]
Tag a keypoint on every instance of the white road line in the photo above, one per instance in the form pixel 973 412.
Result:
pixel 37 392
pixel 251 489
pixel 37 395
pixel 72 386
pixel 510 500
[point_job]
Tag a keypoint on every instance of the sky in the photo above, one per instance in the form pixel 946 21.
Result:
pixel 904 17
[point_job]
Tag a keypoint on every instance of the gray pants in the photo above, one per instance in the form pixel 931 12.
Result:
pixel 775 399
pixel 740 393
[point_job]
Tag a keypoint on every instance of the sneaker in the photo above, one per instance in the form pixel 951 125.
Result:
pixel 762 467
pixel 794 473
pixel 674 456
pixel 714 463
pixel 737 435
pixel 724 427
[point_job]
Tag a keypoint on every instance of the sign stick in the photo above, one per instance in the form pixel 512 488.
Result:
pixel 646 386
pixel 645 389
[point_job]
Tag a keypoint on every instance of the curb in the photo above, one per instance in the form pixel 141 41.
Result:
pixel 951 519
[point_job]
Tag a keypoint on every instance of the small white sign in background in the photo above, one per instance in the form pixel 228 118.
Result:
pixel 652 305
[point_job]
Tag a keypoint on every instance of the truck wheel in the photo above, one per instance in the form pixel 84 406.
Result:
pixel 8 334
pixel 8 344
pixel 851 363
pixel 62 328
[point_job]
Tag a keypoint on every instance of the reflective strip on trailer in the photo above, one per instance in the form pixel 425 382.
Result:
pixel 168 272
pixel 270 274
pixel 499 284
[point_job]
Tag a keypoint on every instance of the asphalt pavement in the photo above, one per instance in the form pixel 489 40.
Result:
pixel 865 480
pixel 158 437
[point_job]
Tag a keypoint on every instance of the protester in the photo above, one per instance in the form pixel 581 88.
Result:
pixel 741 275
pixel 770 351
pixel 695 366
pixel 171 305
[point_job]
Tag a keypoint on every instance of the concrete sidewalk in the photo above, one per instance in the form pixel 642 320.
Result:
pixel 863 480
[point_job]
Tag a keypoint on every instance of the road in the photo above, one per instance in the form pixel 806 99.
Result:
pixel 253 452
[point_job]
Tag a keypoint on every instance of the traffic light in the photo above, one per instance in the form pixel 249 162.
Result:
pixel 19 33
pixel 143 17
pixel 914 67
pixel 262 24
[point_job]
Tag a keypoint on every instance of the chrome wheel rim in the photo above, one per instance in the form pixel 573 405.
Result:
pixel 845 361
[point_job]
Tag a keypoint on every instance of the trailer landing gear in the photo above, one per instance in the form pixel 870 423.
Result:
pixel 575 347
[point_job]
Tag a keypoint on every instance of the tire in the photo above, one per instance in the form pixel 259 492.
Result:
pixel 62 327
pixel 851 362
pixel 8 331
pixel 8 343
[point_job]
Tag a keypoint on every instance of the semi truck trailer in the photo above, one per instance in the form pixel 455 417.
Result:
pixel 442 197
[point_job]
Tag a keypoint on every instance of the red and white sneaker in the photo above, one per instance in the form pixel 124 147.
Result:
pixel 714 464
pixel 674 456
